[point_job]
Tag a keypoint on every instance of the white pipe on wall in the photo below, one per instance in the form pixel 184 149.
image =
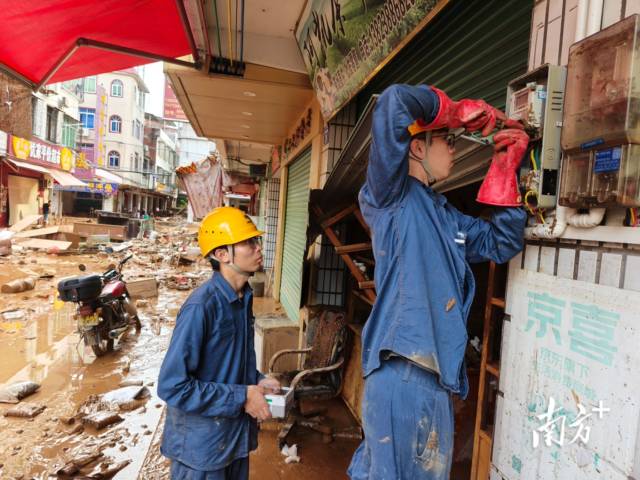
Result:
pixel 581 19
pixel 587 220
pixel 594 18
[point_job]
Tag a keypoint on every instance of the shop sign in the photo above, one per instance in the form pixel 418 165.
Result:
pixel 344 43
pixel 163 188
pixel 42 153
pixel 83 170
pixel 108 189
pixel 100 124
pixel 299 134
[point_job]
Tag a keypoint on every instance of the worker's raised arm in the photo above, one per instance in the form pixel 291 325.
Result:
pixel 177 384
pixel 397 107
pixel 498 239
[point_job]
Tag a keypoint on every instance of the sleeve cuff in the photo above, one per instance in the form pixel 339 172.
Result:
pixel 239 396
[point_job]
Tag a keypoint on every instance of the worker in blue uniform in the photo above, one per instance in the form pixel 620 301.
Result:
pixel 414 340
pixel 209 379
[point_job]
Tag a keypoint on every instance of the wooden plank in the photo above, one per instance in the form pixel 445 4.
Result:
pixel 39 243
pixel 353 383
pixel 25 223
pixel 367 284
pixel 358 215
pixel 356 247
pixel 484 463
pixel 338 216
pixel 115 232
pixel 142 288
pixel 38 232
pixel 493 370
pixel 498 302
pixel 364 298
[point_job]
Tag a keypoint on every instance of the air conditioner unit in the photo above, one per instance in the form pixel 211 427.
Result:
pixel 84 132
pixel 62 102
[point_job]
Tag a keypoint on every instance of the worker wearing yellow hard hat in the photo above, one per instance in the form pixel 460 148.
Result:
pixel 209 379
pixel 224 228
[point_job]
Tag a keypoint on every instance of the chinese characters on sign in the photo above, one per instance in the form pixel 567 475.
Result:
pixel 591 334
pixel 554 424
pixel 107 189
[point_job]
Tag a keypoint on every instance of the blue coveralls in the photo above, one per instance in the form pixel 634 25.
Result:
pixel 414 340
pixel 204 378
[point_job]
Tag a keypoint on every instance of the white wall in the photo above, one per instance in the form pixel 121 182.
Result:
pixel 192 148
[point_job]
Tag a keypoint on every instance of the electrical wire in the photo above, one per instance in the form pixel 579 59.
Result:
pixel 242 36
pixel 215 10
pixel 229 31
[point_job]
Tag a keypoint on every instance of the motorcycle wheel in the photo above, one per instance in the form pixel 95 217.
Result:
pixel 103 343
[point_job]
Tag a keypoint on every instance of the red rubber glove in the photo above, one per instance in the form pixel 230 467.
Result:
pixel 473 115
pixel 500 185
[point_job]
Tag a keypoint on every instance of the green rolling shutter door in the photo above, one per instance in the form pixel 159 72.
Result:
pixel 295 234
pixel 472 48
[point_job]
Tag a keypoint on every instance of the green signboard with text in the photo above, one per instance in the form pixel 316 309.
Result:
pixel 345 42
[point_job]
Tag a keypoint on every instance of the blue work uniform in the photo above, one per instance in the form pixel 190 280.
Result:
pixel 204 377
pixel 416 334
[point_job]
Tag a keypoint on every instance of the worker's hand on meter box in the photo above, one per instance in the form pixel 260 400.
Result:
pixel 270 385
pixel 255 404
pixel 472 115
pixel 500 185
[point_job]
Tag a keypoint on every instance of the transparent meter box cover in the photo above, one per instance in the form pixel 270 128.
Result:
pixel 602 102
pixel 601 177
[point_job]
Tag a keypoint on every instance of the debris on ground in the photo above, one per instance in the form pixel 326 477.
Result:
pixel 19 286
pixel 13 315
pixel 100 420
pixel 25 410
pixel 142 288
pixel 290 453
pixel 17 391
pixel 124 396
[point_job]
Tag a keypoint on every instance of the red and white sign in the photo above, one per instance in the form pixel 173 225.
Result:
pixel 172 108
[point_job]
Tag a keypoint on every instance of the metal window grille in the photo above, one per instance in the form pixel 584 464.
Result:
pixel 273 198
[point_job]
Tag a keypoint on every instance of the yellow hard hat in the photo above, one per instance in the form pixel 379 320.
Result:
pixel 225 226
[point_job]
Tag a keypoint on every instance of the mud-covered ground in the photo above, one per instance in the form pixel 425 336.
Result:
pixel 39 343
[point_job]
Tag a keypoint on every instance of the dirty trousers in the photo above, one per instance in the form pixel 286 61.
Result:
pixel 236 470
pixel 407 419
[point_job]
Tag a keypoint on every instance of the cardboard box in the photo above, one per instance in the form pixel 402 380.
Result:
pixel 279 405
pixel 142 288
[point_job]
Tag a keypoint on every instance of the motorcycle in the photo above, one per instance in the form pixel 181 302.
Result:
pixel 104 310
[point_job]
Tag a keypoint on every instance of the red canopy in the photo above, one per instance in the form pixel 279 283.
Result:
pixel 41 41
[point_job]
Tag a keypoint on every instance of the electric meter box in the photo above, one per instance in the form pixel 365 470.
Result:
pixel 536 99
pixel 601 132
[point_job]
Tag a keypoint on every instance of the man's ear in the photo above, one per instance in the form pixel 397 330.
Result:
pixel 221 254
pixel 416 146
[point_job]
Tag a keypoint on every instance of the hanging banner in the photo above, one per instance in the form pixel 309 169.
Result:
pixel 203 184
pixel 99 151
pixel 108 189
pixel 344 43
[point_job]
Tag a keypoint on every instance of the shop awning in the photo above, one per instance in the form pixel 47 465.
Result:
pixel 63 178
pixel 66 179
pixel 86 38
pixel 108 176
pixel 29 166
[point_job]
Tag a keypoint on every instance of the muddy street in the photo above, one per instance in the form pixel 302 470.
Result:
pixel 101 417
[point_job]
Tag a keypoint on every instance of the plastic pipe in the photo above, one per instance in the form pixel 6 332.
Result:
pixel 594 18
pixel 587 220
pixel 556 226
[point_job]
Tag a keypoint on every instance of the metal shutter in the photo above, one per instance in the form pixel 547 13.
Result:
pixel 295 234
